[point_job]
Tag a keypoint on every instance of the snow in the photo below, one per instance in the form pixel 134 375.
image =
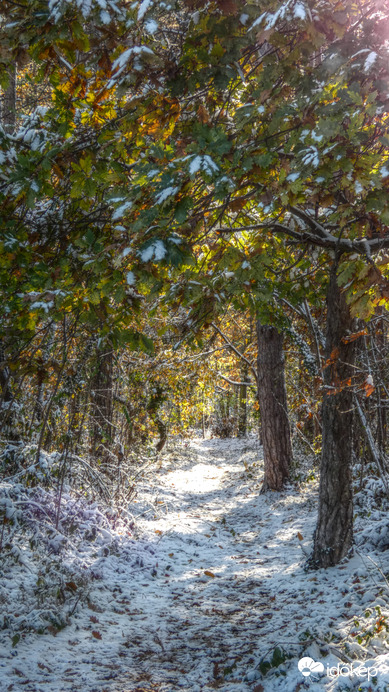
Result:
pixel 287 10
pixel 166 193
pixel 120 211
pixel 299 11
pixel 316 137
pixel 156 251
pixel 143 8
pixel 175 239
pixel 151 26
pixel 195 165
pixel 293 177
pixel 311 156
pixel 57 8
pixel 105 17
pixel 120 63
pixel 204 163
pixel 195 588
pixel 370 60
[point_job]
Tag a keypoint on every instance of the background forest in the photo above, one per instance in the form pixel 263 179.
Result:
pixel 194 215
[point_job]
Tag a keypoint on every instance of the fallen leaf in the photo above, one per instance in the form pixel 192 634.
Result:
pixel 96 634
pixel 71 586
pixel 209 574
pixel 299 536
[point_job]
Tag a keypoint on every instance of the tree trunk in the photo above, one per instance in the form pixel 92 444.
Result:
pixel 275 430
pixel 8 120
pixel 8 115
pixel 242 407
pixel 102 402
pixel 334 530
pixel 157 398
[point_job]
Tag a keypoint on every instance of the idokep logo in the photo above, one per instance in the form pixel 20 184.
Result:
pixel 307 666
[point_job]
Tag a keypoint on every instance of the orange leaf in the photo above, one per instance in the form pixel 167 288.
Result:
pixel 96 634
pixel 209 574
pixel 369 389
pixel 334 354
pixel 203 114
pixel 352 337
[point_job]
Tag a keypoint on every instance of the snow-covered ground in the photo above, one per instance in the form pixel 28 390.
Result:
pixel 205 590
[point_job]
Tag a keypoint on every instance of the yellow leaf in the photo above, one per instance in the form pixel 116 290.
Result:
pixel 209 574
pixel 300 536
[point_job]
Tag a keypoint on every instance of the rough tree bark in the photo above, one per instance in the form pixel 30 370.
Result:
pixel 8 120
pixel 8 111
pixel 102 402
pixel 334 530
pixel 242 403
pixel 275 429
pixel 157 398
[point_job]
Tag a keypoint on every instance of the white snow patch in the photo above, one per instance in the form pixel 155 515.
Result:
pixel 120 62
pixel 120 211
pixel 130 278
pixel 151 26
pixel 204 163
pixel 216 575
pixel 143 8
pixel 165 194
pixel 299 11
pixel 155 251
pixel 293 177
pixel 370 60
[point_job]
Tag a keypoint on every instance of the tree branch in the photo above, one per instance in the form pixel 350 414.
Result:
pixel 235 350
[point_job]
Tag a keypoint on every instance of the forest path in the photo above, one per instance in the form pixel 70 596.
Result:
pixel 219 585
pixel 210 612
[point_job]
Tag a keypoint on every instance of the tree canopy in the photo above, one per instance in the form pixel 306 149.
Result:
pixel 167 166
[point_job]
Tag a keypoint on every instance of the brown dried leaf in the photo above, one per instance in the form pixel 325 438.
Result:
pixel 71 586
pixel 227 6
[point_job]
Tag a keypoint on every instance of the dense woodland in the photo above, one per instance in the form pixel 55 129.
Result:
pixel 194 214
